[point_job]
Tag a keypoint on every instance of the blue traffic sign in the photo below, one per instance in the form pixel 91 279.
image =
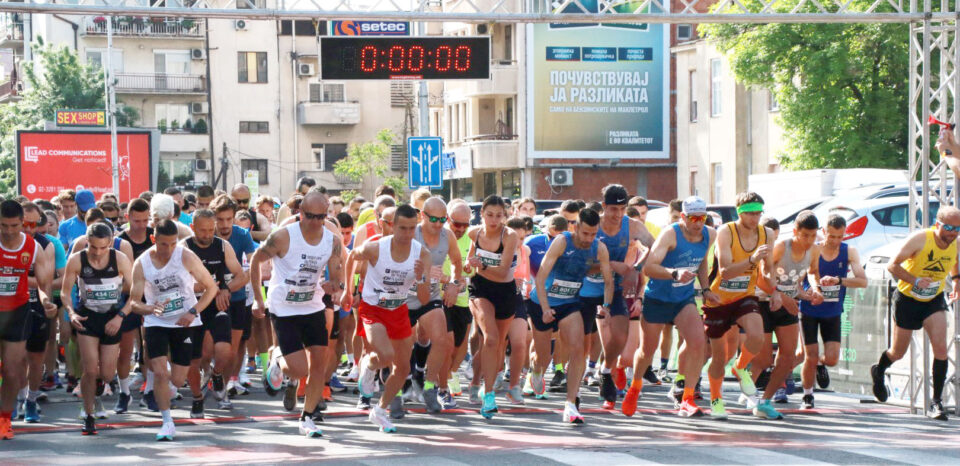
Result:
pixel 424 167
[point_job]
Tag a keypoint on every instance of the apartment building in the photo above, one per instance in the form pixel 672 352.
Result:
pixel 229 96
pixel 726 131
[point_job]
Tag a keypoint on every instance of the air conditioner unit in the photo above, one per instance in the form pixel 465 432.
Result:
pixel 201 165
pixel 240 25
pixel 561 177
pixel 483 29
pixel 306 69
pixel 198 54
pixel 199 108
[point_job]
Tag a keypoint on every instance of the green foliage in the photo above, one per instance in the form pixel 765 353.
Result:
pixel 200 127
pixel 348 195
pixel 65 82
pixel 367 158
pixel 842 88
pixel 399 185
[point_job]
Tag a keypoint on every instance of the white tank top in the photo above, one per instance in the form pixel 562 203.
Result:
pixel 295 283
pixel 172 282
pixel 387 284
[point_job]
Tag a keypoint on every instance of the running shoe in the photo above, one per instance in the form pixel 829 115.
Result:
pixel 290 395
pixel 608 391
pixel 528 387
pixel 6 429
pixel 537 383
pixel 620 378
pixel 936 411
pixel 689 409
pixel 651 377
pixel 765 410
pixel 676 392
pixel 396 408
pixel 149 401
pixel 432 401
pixel 697 394
pixel 879 387
pixel 570 414
pixel 123 403
pixel 780 396
pixel 717 409
pixel 363 403
pixel 346 370
pixel 746 382
pixel 196 409
pixel 273 377
pixel 89 426
pixel 318 417
pixel 474 393
pixel 336 386
pixel 489 407
pixel 99 411
pixel 48 384
pixel 454 384
pixel 239 390
pixel 366 383
pixel 515 395
pixel 379 418
pixel 42 397
pixel 448 401
pixel 823 376
pixel 790 385
pixel 167 431
pixel 244 380
pixel 629 405
pixel 31 412
pixel 225 404
pixel 219 388
pixel 309 429
pixel 354 373
pixel 807 401
pixel 748 402
pixel 558 379
pixel 498 383
pixel 326 396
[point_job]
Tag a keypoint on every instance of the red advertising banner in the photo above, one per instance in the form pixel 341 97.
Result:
pixel 50 161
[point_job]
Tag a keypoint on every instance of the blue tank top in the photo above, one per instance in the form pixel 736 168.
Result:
pixel 617 246
pixel 566 277
pixel 538 245
pixel 687 256
pixel 833 296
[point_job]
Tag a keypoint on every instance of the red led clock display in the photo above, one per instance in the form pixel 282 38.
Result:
pixel 405 57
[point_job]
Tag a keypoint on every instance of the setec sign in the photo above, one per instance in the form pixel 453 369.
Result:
pixel 369 28
pixel 81 118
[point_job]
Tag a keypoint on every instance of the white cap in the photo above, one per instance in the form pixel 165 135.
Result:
pixel 694 205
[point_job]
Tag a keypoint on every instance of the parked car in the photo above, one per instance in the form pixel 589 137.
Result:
pixel 881 191
pixel 875 263
pixel 876 222
pixel 787 213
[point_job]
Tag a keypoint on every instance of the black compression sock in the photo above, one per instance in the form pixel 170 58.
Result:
pixel 939 376
pixel 306 415
pixel 420 354
pixel 885 361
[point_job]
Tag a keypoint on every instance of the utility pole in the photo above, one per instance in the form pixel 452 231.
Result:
pixel 112 110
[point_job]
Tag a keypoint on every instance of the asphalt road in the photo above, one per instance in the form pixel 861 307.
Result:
pixel 842 430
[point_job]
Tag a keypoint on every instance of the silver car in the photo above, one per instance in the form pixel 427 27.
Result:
pixel 874 223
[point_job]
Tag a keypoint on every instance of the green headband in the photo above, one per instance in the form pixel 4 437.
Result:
pixel 750 207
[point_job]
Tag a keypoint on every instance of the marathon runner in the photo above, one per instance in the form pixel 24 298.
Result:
pixel 260 227
pixel 458 316
pixel 103 276
pixel 19 253
pixel 921 268
pixel 173 333
pixel 139 234
pixel 557 305
pixel 741 249
pixel 299 253
pixel 837 259
pixel 676 260
pixel 395 262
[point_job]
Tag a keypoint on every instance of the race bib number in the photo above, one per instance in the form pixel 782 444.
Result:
pixel 789 290
pixel 99 295
pixel 298 295
pixel 926 293
pixel 174 302
pixel 391 300
pixel 831 294
pixel 9 285
pixel 735 284
pixel 563 289
pixel 489 259
pixel 595 278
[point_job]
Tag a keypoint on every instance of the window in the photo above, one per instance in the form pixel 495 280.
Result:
pixel 252 67
pixel 715 84
pixel 489 184
pixel 259 165
pixel 398 157
pixel 98 58
pixel 169 113
pixel 693 96
pixel 401 94
pixel 508 42
pixel 174 172
pixel 693 182
pixel 510 181
pixel 509 116
pixel 464 189
pixel 684 31
pixel 171 61
pixel 774 106
pixel 327 155
pixel 717 170
pixel 300 28
pixel 326 92
pixel 254 127
pixel 248 4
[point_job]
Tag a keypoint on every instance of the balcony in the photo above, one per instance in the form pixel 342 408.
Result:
pixel 503 82
pixel 11 31
pixel 493 151
pixel 182 142
pixel 328 113
pixel 160 83
pixel 145 28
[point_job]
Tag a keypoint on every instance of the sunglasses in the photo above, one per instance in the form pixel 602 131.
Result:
pixel 946 227
pixel 29 224
pixel 697 218
pixel 113 220
pixel 308 216
pixel 460 224
pixel 436 219
pixel 243 201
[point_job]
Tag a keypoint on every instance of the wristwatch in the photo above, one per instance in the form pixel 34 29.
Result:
pixel 193 311
pixel 675 274
pixel 121 314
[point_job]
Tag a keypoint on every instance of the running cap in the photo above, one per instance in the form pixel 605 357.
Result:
pixel 694 205
pixel 85 200
pixel 615 194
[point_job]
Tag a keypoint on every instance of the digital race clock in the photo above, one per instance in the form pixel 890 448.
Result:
pixel 404 58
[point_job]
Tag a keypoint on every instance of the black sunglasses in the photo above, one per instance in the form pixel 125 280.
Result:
pixel 308 216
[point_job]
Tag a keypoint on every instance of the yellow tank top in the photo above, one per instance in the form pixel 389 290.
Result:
pixel 734 288
pixel 930 262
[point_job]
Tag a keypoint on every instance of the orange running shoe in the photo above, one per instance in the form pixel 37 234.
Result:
pixel 6 429
pixel 620 378
pixel 327 396
pixel 629 405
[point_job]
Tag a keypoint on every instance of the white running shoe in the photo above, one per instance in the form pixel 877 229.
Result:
pixel 515 395
pixel 570 414
pixel 748 402
pixel 167 431
pixel 244 381
pixel 99 411
pixel 498 384
pixel 366 383
pixel 378 416
pixel 309 429
pixel 354 374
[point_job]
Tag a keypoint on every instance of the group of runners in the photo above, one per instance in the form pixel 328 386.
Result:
pixel 398 295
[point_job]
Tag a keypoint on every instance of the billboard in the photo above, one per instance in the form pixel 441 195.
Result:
pixel 598 90
pixel 49 161
pixel 369 28
pixel 81 117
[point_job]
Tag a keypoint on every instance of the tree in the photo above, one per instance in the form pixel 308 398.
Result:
pixel 842 88
pixel 64 82
pixel 370 158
